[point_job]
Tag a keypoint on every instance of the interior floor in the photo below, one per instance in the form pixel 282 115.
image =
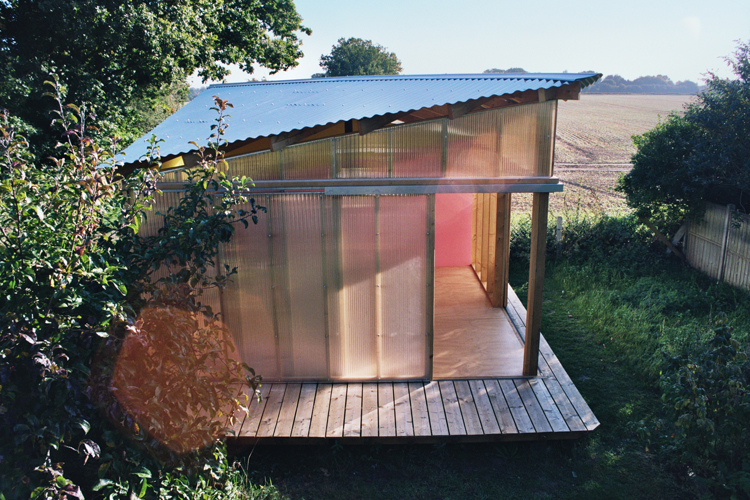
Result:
pixel 472 338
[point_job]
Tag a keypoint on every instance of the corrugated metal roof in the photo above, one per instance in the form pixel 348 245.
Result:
pixel 263 109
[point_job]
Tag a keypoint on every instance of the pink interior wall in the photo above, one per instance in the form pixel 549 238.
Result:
pixel 453 229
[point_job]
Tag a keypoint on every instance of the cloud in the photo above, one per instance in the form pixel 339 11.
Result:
pixel 692 25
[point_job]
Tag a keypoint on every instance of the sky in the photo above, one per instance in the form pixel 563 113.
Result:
pixel 682 39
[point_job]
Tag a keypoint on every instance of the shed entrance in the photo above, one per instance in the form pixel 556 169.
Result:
pixel 472 338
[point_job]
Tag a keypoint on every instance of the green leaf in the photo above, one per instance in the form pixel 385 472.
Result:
pixel 39 212
pixel 83 424
pixel 143 472
pixel 101 484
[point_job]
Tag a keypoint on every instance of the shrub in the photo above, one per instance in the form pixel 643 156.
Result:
pixel 84 325
pixel 707 393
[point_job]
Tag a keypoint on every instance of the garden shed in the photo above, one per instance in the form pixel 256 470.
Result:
pixel 373 296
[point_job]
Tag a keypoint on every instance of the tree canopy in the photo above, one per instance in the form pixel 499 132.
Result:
pixel 108 52
pixel 701 156
pixel 659 84
pixel 509 70
pixel 355 56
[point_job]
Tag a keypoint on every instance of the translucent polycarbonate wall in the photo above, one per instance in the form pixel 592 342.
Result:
pixel 509 142
pixel 328 287
pixel 150 227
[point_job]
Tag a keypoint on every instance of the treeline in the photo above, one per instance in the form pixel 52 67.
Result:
pixel 659 84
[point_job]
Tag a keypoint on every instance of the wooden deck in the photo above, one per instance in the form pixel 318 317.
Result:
pixel 481 409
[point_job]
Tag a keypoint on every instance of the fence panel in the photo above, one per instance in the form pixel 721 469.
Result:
pixel 707 251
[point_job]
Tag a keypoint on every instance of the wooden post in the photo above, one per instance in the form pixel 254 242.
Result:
pixel 724 240
pixel 536 283
pixel 430 333
pixel 499 292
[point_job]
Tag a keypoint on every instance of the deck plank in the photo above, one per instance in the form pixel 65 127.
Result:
pixel 335 427
pixel 438 420
pixel 288 410
pixel 484 407
pixel 554 417
pixel 500 407
pixel 534 409
pixel 353 412
pixel 304 411
pixel 517 408
pixel 472 423
pixel 369 410
pixel 250 426
pixel 319 421
pixel 568 411
pixel 420 413
pixel 402 403
pixel 271 413
pixel 386 411
pixel 571 391
pixel 452 408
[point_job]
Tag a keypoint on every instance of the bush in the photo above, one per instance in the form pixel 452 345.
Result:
pixel 85 326
pixel 707 393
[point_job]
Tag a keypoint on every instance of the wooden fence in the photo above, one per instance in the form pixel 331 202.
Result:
pixel 719 245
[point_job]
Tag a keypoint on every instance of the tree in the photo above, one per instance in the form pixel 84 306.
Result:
pixel 109 53
pixel 701 156
pixel 355 56
pixel 509 70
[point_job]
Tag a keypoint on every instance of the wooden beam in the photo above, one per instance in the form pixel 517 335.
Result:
pixel 499 294
pixel 536 283
pixel 570 92
pixel 463 108
pixel 661 237
pixel 367 125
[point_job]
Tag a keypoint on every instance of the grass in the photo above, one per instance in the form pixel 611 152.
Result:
pixel 609 312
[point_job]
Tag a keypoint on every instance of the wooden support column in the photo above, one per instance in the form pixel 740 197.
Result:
pixel 499 291
pixel 536 283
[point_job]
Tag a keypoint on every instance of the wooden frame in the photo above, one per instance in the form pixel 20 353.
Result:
pixel 491 244
pixel 536 283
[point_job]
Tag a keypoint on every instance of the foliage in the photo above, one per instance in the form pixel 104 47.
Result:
pixel 109 53
pixel 703 156
pixel 509 70
pixel 707 393
pixel 86 324
pixel 354 56
pixel 659 84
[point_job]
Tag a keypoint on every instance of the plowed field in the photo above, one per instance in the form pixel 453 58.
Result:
pixel 593 148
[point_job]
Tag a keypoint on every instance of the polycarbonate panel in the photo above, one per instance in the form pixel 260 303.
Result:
pixel 174 176
pixel 402 222
pixel 248 304
pixel 526 138
pixel 154 221
pixel 473 146
pixel 508 142
pixel 417 149
pixel 353 340
pixel 362 156
pixel 257 166
pixel 313 160
pixel 302 339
